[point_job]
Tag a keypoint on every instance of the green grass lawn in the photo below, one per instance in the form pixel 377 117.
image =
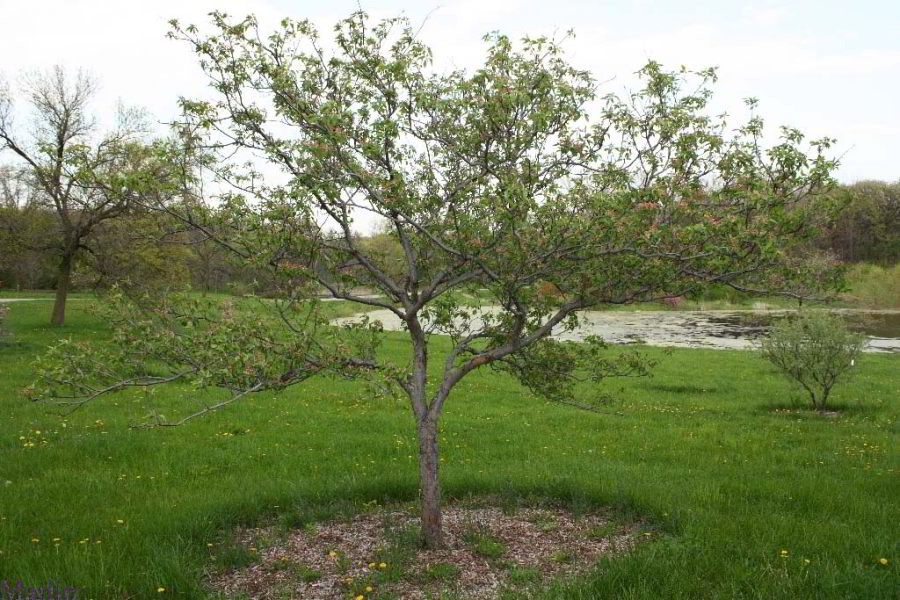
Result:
pixel 709 452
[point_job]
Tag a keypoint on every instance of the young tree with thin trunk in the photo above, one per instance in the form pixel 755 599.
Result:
pixel 82 177
pixel 815 349
pixel 515 184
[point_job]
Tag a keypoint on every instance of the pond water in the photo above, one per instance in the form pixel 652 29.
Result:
pixel 702 329
pixel 723 329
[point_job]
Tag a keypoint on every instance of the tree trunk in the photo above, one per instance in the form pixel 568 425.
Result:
pixel 62 290
pixel 426 428
pixel 432 533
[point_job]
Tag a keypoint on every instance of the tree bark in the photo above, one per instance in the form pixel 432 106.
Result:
pixel 426 428
pixel 432 533
pixel 62 290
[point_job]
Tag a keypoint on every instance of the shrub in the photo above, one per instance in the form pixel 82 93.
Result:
pixel 816 349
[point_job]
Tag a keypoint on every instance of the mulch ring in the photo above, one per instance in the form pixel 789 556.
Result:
pixel 377 555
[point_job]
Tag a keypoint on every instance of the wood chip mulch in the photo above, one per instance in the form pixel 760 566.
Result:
pixel 372 555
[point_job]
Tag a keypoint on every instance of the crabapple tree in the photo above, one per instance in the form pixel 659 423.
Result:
pixel 517 183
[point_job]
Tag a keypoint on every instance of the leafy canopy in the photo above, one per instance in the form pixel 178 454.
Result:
pixel 517 183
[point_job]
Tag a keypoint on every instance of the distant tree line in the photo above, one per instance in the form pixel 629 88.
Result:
pixel 139 248
pixel 73 206
pixel 868 228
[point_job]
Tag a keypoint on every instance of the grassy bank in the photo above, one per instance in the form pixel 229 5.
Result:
pixel 710 451
pixel 873 286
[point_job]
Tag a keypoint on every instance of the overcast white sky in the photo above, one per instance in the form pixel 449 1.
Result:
pixel 828 67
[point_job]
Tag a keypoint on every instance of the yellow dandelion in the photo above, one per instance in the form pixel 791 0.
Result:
pixel 883 561
pixel 35 540
pixel 368 588
pixel 372 565
pixel 120 521
pixel 332 553
pixel 360 597
pixel 160 589
pixel 382 566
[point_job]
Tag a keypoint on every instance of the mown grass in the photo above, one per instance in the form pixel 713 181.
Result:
pixel 709 452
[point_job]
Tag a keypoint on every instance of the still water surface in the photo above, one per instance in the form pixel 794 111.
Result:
pixel 701 329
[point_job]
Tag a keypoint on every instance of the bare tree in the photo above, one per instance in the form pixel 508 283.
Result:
pixel 79 175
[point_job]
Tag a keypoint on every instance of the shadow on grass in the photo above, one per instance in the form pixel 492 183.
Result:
pixel 803 409
pixel 683 388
